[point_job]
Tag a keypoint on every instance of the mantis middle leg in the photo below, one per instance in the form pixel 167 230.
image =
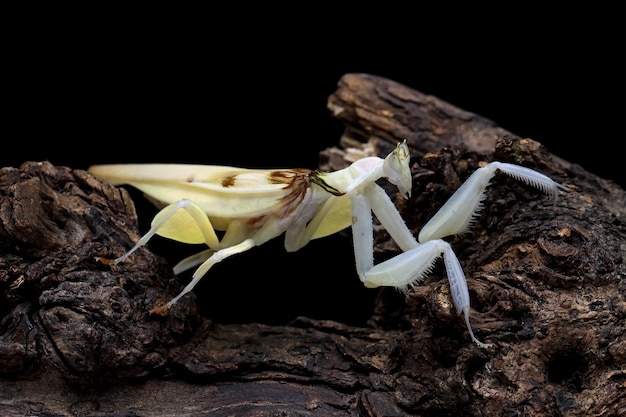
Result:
pixel 196 227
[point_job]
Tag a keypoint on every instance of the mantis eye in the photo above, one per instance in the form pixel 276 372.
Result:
pixel 396 168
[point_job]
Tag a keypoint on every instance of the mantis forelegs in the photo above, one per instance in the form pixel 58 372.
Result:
pixel 409 267
pixel 457 214
pixel 455 217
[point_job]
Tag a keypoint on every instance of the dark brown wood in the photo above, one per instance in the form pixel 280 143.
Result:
pixel 380 112
pixel 546 281
pixel 375 108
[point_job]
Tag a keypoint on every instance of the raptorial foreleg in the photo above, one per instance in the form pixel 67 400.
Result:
pixel 414 264
pixel 458 213
pixel 410 268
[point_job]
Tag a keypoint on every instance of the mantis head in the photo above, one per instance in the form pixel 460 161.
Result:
pixel 396 169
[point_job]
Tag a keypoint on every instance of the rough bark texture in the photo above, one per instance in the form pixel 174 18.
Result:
pixel 547 284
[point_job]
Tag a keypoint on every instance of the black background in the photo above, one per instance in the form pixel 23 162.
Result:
pixel 246 84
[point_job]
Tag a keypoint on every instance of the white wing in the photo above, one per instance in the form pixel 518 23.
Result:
pixel 221 191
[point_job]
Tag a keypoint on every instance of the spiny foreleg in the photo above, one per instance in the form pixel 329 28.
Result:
pixel 458 213
pixel 410 268
pixel 414 264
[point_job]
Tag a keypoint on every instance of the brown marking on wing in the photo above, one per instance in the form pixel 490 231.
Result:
pixel 228 181
pixel 254 222
pixel 287 176
pixel 297 182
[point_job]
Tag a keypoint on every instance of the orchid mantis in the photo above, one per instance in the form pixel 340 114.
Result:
pixel 248 207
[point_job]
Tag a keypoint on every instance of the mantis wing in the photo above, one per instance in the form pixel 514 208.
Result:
pixel 222 192
pixel 335 216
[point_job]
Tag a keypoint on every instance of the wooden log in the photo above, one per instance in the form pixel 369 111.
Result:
pixel 546 281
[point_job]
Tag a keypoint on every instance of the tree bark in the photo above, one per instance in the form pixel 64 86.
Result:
pixel 546 282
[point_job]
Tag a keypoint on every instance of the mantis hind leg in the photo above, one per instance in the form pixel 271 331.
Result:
pixel 183 221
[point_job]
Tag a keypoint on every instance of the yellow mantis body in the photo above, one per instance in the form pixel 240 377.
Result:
pixel 249 207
